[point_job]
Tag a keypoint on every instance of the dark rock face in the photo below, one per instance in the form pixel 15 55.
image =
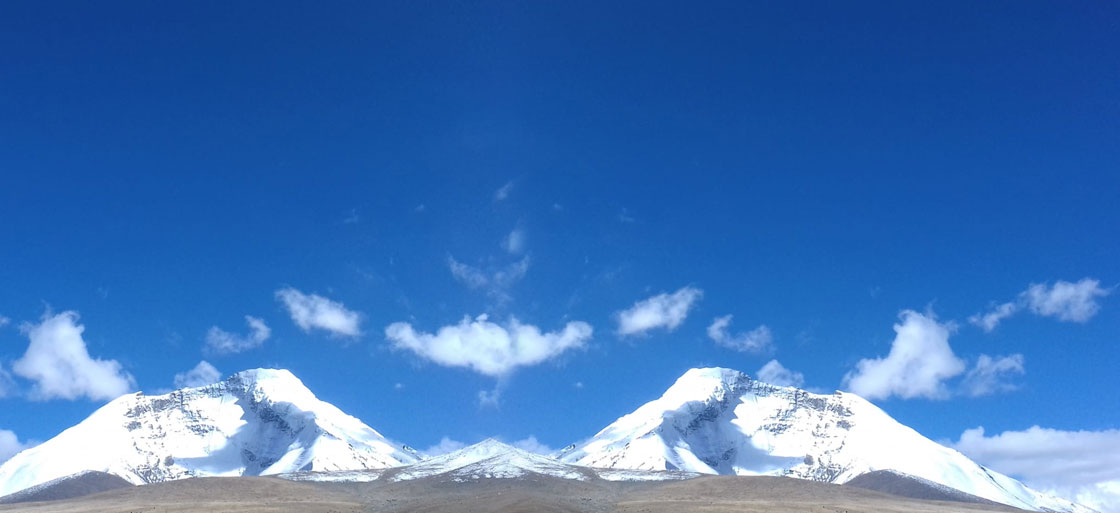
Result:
pixel 905 485
pixel 68 488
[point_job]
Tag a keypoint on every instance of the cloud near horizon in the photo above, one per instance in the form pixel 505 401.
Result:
pixel 776 374
pixel 219 341
pixel 10 445
pixel 312 311
pixel 201 375
pixel 1065 301
pixel 1083 466
pixel 486 347
pixel 758 340
pixel 58 362
pixel 664 310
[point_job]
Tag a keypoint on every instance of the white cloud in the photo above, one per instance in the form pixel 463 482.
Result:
pixel 1083 466
pixel 314 311
pixel 533 445
pixel 398 386
pixel 919 362
pixel 503 192
pixel 989 375
pixel 775 374
pixel 514 243
pixel 201 375
pixel 489 398
pixel 1076 302
pixel 496 283
pixel 661 311
pixel 444 446
pixel 4 321
pixel 6 383
pixel 59 363
pixel 1069 302
pixel 486 347
pixel 219 341
pixel 757 340
pixel 990 320
pixel 10 445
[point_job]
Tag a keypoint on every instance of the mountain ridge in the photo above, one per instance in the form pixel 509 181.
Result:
pixel 720 421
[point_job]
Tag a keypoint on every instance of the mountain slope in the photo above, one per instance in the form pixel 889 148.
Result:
pixel 256 422
pixel 719 421
pixel 488 459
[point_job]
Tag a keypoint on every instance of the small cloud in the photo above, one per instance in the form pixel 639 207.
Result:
pixel 775 374
pixel 201 375
pixel 758 340
pixel 489 398
pixel 486 347
pixel 1071 302
pixel 1066 301
pixel 4 321
pixel 624 216
pixel 7 384
pixel 991 320
pixel 557 207
pixel 219 341
pixel 514 243
pixel 989 375
pixel 661 311
pixel 352 217
pixel 496 283
pixel 59 363
pixel 531 444
pixel 503 192
pixel 919 362
pixel 578 385
pixel 10 445
pixel 398 386
pixel 420 209
pixel 310 311
pixel 444 446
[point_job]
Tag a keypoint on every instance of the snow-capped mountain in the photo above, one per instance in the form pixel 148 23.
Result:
pixel 719 421
pixel 490 459
pixel 256 422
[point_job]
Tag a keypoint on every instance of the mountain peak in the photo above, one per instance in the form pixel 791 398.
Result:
pixel 719 421
pixel 257 422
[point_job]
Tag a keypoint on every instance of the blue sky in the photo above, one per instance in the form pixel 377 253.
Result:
pixel 826 172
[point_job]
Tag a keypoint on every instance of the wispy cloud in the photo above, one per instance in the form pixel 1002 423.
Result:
pixel 758 340
pixel 219 341
pixel 532 445
pixel 496 282
pixel 444 446
pixel 1081 465
pixel 201 375
pixel 503 192
pixel 661 311
pixel 59 364
pixel 486 347
pixel 312 311
pixel 514 243
pixel 1065 301
pixel 775 374
pixel 990 374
